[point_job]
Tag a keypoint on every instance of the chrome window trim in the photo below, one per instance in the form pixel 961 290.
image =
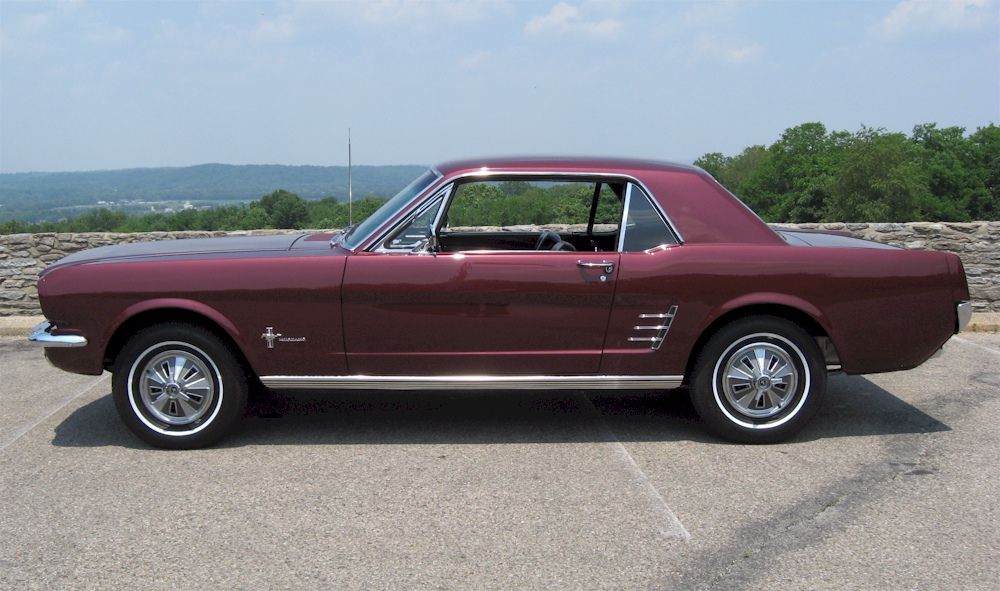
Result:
pixel 462 253
pixel 445 204
pixel 42 335
pixel 471 382
pixel 623 224
pixel 368 244
pixel 379 245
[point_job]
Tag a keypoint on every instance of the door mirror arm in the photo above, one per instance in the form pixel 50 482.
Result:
pixel 429 245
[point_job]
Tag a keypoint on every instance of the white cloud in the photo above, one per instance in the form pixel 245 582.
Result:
pixel 923 16
pixel 714 47
pixel 420 11
pixel 24 30
pixel 474 60
pixel 566 18
pixel 33 23
pixel 279 28
pixel 711 13
pixel 106 35
pixel 301 17
pixel 612 6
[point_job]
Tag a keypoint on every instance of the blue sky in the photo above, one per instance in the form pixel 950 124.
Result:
pixel 99 85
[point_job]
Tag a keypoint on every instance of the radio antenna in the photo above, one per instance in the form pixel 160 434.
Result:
pixel 350 191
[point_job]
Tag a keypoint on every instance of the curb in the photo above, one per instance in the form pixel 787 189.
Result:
pixel 984 322
pixel 20 326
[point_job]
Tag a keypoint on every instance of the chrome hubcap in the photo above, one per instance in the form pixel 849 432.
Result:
pixel 176 387
pixel 759 380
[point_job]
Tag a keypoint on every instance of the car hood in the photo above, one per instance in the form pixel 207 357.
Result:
pixel 184 247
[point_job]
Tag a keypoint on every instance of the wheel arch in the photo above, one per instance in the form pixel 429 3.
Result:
pixel 794 310
pixel 153 312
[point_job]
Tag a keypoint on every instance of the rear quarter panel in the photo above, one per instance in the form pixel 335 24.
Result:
pixel 884 310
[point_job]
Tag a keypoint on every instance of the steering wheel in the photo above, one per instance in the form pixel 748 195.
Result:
pixel 545 236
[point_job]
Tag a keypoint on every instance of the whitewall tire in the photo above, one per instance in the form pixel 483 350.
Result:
pixel 179 386
pixel 758 380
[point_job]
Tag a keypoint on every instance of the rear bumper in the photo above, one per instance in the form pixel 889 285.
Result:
pixel 42 335
pixel 963 313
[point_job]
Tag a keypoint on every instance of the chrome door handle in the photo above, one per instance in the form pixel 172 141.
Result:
pixel 607 266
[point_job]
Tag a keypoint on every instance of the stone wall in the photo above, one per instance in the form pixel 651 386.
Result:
pixel 23 256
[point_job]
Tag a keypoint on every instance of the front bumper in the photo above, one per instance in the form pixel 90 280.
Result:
pixel 42 334
pixel 964 314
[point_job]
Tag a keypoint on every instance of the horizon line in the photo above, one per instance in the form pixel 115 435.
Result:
pixel 179 166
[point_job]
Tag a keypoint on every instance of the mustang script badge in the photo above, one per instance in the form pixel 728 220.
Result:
pixel 269 336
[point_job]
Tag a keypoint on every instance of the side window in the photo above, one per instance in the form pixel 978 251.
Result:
pixel 492 204
pixel 533 214
pixel 644 228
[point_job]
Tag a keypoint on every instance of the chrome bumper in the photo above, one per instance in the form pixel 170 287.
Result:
pixel 42 335
pixel 964 312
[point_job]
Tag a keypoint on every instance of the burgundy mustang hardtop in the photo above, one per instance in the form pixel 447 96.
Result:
pixel 540 273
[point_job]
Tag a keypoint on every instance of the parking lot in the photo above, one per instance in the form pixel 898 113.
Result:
pixel 893 485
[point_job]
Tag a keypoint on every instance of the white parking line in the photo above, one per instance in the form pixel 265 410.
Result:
pixel 4 444
pixel 974 344
pixel 668 523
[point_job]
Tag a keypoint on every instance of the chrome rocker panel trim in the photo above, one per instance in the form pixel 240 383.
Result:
pixel 964 312
pixel 471 382
pixel 41 334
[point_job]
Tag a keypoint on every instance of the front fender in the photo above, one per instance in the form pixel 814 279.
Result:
pixel 157 304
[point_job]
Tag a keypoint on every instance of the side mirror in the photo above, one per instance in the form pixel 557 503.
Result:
pixel 429 245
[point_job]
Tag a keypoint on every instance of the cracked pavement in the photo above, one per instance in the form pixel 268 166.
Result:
pixel 893 485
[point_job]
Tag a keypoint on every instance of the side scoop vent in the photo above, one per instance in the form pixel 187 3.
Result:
pixel 659 322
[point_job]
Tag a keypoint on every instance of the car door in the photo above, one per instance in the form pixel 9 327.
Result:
pixel 469 309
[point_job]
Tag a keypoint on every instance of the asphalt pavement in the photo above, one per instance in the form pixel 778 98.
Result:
pixel 894 485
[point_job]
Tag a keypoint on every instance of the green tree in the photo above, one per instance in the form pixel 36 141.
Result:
pixel 946 159
pixel 799 172
pixel 714 163
pixel 879 180
pixel 984 204
pixel 285 209
pixel 251 218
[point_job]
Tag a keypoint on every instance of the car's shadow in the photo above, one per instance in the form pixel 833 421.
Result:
pixel 854 406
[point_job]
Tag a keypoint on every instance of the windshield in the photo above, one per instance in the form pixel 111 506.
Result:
pixel 359 232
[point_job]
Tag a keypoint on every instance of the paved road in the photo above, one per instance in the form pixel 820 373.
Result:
pixel 894 485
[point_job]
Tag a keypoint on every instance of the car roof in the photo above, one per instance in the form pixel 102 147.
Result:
pixel 562 164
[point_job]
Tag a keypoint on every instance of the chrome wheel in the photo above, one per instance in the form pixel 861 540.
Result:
pixel 176 387
pixel 179 385
pixel 759 380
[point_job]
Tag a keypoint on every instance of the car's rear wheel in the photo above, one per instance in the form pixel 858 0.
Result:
pixel 179 386
pixel 758 380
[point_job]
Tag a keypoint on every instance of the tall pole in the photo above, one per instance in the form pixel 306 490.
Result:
pixel 350 191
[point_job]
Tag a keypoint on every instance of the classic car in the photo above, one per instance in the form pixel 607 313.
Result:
pixel 514 273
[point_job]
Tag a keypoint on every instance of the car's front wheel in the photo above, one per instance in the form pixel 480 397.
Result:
pixel 758 380
pixel 179 386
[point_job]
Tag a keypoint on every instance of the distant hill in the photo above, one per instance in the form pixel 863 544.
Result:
pixel 37 196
